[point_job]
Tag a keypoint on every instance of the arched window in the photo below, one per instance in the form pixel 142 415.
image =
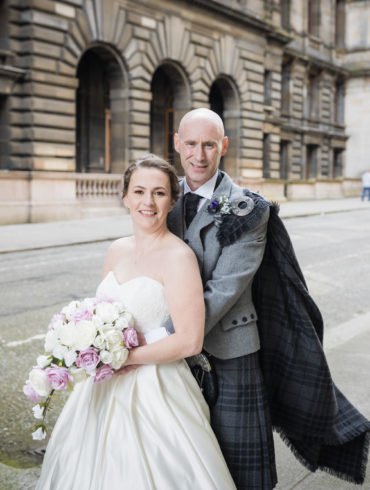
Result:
pixel 170 101
pixel 224 99
pixel 101 113
pixel 339 101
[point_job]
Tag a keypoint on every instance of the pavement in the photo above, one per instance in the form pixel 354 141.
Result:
pixel 346 345
pixel 24 237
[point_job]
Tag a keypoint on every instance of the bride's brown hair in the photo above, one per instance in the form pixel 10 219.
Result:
pixel 153 161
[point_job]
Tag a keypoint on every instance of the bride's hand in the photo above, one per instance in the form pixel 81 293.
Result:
pixel 126 369
pixel 141 338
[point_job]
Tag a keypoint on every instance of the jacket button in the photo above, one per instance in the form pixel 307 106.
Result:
pixel 244 318
pixel 234 322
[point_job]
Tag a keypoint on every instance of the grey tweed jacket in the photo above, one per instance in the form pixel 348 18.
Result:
pixel 227 275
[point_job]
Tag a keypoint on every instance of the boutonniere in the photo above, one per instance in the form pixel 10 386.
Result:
pixel 222 206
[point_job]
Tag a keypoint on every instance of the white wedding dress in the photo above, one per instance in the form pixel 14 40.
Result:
pixel 147 429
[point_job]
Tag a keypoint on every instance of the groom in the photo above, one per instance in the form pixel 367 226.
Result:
pixel 208 218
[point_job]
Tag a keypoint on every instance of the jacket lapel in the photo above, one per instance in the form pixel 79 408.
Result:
pixel 204 218
pixel 201 220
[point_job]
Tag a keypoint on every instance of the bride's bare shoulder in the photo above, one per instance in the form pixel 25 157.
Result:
pixel 121 244
pixel 180 265
pixel 117 249
pixel 178 250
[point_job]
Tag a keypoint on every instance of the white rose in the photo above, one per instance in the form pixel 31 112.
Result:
pixel 125 320
pixel 97 321
pixel 119 307
pixel 107 312
pixel 39 434
pixel 51 340
pixel 88 304
pixel 70 357
pixel 104 329
pixel 70 309
pixel 106 357
pixel 60 351
pixel 113 338
pixel 119 358
pixel 99 342
pixel 43 361
pixel 85 333
pixel 40 382
pixel 67 334
pixel 38 412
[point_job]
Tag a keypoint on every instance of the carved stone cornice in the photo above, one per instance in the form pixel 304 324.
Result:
pixel 246 17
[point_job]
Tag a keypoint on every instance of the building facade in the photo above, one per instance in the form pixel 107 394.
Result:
pixel 86 86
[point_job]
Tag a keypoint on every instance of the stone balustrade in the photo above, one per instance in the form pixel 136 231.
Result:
pixel 98 186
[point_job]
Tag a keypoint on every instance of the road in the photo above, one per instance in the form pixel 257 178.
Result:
pixel 333 250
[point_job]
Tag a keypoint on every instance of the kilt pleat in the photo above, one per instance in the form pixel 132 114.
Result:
pixel 242 424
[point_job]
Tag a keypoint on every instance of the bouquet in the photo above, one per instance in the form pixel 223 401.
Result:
pixel 88 338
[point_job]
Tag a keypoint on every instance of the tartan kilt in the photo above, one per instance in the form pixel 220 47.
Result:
pixel 241 421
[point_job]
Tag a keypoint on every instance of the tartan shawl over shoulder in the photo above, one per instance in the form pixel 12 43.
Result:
pixel 322 428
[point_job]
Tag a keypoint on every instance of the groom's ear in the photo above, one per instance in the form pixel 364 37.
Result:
pixel 225 145
pixel 176 142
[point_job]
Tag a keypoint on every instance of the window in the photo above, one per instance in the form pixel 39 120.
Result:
pixel 285 88
pixel 267 87
pixel 314 17
pixel 313 96
pixel 338 162
pixel 284 159
pixel 285 14
pixel 101 113
pixel 93 106
pixel 339 102
pixel 266 156
pixel 311 161
pixel 340 23
pixel 224 100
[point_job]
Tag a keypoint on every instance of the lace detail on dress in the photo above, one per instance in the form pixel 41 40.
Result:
pixel 142 296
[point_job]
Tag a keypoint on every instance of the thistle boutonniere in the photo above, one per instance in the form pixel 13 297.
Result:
pixel 222 206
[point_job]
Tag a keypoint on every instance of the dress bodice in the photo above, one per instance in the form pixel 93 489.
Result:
pixel 142 296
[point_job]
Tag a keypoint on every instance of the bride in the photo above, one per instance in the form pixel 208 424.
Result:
pixel 147 427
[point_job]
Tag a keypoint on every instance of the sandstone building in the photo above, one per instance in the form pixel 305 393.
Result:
pixel 88 85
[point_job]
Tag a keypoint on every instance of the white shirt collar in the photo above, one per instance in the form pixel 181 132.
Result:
pixel 206 190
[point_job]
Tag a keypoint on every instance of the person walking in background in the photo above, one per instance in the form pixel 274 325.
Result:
pixel 365 185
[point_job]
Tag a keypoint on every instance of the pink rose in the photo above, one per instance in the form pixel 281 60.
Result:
pixel 59 377
pixel 82 314
pixel 31 393
pixel 130 337
pixel 103 373
pixel 88 359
